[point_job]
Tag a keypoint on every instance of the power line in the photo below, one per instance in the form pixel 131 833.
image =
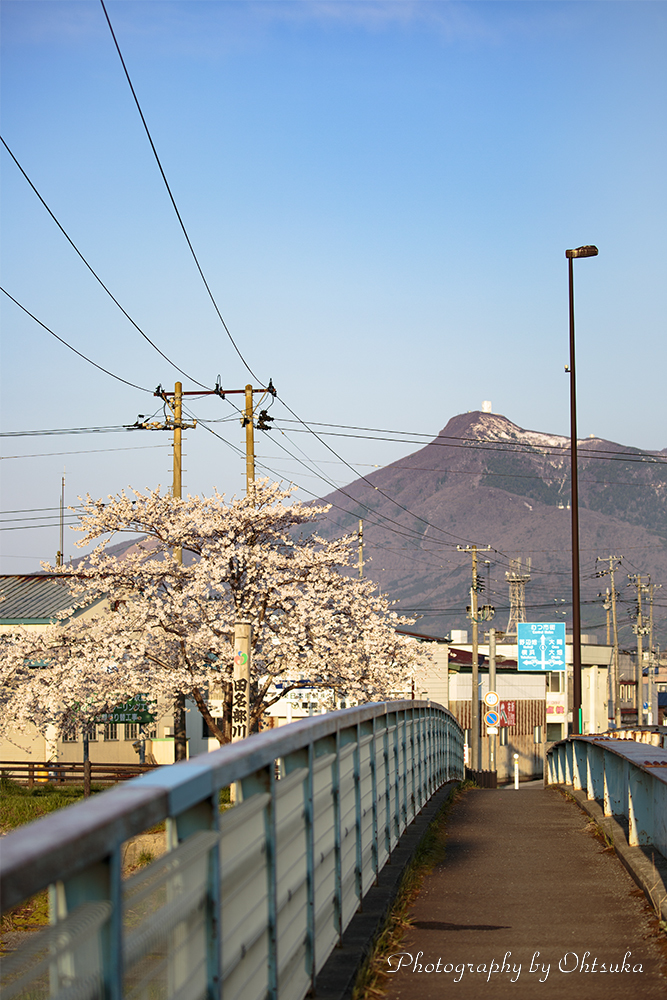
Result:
pixel 475 444
pixel 93 363
pixel 95 274
pixel 372 485
pixel 467 472
pixel 173 200
pixel 72 430
pixel 90 451
pixel 406 533
pixel 30 527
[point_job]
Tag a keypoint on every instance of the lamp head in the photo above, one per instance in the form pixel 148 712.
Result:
pixel 582 252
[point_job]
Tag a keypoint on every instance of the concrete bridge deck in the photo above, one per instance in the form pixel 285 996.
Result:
pixel 528 903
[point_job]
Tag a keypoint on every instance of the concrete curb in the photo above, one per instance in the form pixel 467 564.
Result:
pixel 646 865
pixel 337 977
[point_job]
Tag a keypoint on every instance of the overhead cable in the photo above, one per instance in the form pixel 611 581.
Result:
pixel 172 199
pixel 95 274
pixel 106 371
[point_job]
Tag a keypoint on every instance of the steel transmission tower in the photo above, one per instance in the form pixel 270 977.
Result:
pixel 518 576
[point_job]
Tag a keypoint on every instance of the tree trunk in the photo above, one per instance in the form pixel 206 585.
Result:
pixel 229 704
pixel 208 718
pixel 180 739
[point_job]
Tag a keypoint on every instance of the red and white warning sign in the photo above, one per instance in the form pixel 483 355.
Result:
pixel 507 713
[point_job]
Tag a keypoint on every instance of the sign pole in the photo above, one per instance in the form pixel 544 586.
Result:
pixel 492 687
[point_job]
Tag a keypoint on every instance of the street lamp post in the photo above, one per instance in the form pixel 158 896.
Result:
pixel 586 251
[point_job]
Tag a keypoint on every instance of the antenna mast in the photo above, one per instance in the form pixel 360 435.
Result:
pixel 518 577
pixel 59 553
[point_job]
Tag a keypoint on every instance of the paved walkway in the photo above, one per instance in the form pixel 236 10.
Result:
pixel 527 903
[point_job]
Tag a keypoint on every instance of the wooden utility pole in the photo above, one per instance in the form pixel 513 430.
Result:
pixel 248 421
pixel 474 615
pixel 361 548
pixel 610 605
pixel 178 425
pixel 180 733
pixel 615 678
pixel 607 606
pixel 652 698
pixel 640 630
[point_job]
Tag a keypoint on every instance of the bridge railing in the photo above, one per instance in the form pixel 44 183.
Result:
pixel 628 779
pixel 248 902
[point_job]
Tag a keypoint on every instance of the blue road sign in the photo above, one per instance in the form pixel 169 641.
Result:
pixel 541 646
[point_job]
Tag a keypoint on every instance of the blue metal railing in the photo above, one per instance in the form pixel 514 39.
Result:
pixel 627 778
pixel 247 903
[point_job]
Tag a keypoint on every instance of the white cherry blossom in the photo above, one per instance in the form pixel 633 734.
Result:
pixel 161 628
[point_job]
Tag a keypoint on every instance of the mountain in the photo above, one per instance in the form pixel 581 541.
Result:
pixel 484 480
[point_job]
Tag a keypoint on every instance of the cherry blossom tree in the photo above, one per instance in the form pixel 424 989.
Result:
pixel 165 627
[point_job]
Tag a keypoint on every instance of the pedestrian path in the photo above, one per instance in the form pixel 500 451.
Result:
pixel 527 903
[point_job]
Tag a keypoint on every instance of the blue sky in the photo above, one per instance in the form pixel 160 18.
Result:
pixel 380 195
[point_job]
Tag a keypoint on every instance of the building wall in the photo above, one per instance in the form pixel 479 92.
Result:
pixel 432 683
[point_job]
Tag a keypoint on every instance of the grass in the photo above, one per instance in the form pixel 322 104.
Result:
pixel 28 916
pixel 20 804
pixel 431 852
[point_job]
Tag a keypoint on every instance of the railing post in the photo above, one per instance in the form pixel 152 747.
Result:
pixel 614 784
pixel 594 775
pixel 579 756
pixel 374 792
pixel 338 898
pixel 640 807
pixel 397 779
pixel 205 815
pixel 102 881
pixel 358 869
pixel 404 766
pixel 310 866
pixel 448 748
pixel 264 780
pixel 387 788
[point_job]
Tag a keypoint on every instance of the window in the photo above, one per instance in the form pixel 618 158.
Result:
pixel 554 731
pixel 131 731
pixel 69 735
pixel 111 731
pixel 554 682
pixel 92 732
pixel 627 690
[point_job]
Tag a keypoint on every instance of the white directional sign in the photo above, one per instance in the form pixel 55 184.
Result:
pixel 541 646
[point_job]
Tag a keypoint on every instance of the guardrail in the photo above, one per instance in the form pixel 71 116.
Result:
pixel 247 903
pixel 628 779
pixel 70 772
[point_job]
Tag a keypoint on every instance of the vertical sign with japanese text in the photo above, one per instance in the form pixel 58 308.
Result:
pixel 241 681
